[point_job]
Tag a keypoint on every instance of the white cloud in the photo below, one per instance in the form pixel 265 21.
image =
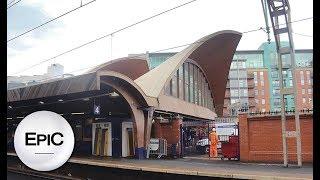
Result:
pixel 184 25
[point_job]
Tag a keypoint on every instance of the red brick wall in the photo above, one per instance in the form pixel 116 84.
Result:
pixel 261 139
pixel 170 132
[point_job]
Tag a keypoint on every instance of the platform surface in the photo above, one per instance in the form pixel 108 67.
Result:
pixel 201 166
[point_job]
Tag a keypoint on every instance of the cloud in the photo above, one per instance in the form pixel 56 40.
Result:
pixel 181 26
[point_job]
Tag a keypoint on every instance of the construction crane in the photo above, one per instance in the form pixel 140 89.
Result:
pixel 280 15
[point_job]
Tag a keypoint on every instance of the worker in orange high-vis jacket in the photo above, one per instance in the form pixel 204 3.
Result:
pixel 213 143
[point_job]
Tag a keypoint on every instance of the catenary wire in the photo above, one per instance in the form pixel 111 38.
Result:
pixel 249 31
pixel 10 2
pixel 13 4
pixel 51 20
pixel 104 36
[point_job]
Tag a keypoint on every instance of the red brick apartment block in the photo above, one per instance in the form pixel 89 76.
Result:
pixel 261 139
pixel 169 131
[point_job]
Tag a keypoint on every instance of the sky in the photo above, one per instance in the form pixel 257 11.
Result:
pixel 181 26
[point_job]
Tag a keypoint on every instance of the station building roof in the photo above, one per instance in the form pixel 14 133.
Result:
pixel 213 53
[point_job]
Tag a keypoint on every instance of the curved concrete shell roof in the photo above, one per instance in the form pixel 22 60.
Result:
pixel 213 53
pixel 133 67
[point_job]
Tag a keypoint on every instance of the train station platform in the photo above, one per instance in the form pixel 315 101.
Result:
pixel 201 167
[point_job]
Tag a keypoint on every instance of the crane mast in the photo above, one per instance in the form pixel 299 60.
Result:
pixel 279 13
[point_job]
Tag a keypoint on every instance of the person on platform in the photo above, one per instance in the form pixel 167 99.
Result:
pixel 213 143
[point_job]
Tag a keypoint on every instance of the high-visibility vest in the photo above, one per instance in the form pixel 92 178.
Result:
pixel 213 138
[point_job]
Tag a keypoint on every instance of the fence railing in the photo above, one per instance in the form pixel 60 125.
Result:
pixel 304 111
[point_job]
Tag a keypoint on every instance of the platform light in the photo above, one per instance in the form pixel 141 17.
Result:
pixel 41 102
pixel 77 113
pixel 19 117
pixel 60 100
pixel 10 107
pixel 113 94
pixel 86 99
pixel 9 118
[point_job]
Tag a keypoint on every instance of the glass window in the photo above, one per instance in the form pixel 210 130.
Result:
pixel 256 92
pixel 262 92
pixel 174 86
pixel 257 101
pixel 191 83
pixel 302 80
pixel 236 92
pixel 186 82
pixel 245 92
pixel 290 82
pixel 263 110
pixel 195 76
pixel 261 73
pixel 262 82
pixel 255 74
pixel 303 100
pixel 303 91
pixel 181 80
pixel 309 91
pixel 263 101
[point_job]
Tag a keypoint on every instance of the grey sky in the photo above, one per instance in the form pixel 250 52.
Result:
pixel 181 26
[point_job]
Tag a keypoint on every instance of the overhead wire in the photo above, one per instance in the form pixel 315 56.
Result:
pixel 13 4
pixel 136 56
pixel 10 2
pixel 126 27
pixel 143 55
pixel 51 20
pixel 104 36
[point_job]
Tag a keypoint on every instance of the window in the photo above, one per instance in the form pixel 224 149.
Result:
pixel 257 101
pixel 262 92
pixel 276 102
pixel 191 83
pixel 261 73
pixel 180 85
pixel 309 91
pixel 275 83
pixel 289 73
pixel 302 80
pixel 233 101
pixel 303 100
pixel 255 74
pixel 274 74
pixel 263 110
pixel 303 91
pixel 310 100
pixel 263 101
pixel 256 92
pixel 290 82
pixel 262 82
pixel 245 92
pixel 186 82
pixel 236 92
pixel 174 86
pixel 276 92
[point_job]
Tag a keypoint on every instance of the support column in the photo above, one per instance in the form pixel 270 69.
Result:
pixel 244 137
pixel 147 129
